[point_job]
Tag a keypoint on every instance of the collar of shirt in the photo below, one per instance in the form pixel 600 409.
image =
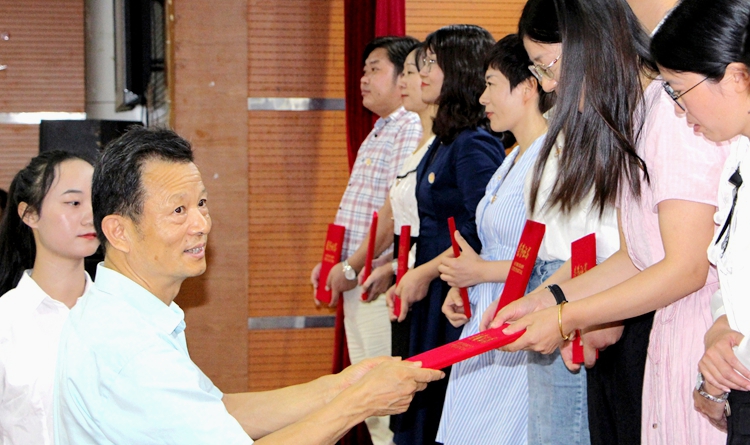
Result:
pixel 383 121
pixel 169 319
pixel 34 299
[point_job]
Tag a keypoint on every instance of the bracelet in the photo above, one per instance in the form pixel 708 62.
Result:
pixel 559 321
pixel 557 293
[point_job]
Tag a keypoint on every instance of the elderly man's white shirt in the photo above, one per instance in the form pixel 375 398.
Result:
pixel 30 325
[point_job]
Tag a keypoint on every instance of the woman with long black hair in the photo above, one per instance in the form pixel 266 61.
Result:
pixel 666 223
pixel 45 234
pixel 451 179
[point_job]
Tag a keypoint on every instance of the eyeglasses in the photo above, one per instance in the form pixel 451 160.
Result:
pixel 676 97
pixel 427 64
pixel 542 72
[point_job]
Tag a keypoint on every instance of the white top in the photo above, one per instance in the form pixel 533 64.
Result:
pixel 30 325
pixel 562 228
pixel 734 265
pixel 404 198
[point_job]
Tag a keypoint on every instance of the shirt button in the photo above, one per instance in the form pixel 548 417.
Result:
pixel 368 161
pixel 431 177
pixel 654 426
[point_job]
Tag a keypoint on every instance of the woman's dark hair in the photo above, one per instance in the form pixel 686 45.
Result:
pixel 30 186
pixel 605 49
pixel 509 57
pixel 117 187
pixel 704 36
pixel 459 51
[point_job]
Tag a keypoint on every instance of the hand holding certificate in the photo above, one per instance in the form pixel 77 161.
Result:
pixel 523 264
pixel 582 258
pixel 331 257
pixel 370 252
pixel 454 352
pixel 404 245
pixel 457 253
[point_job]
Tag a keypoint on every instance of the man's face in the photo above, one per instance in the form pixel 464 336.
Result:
pixel 169 242
pixel 380 92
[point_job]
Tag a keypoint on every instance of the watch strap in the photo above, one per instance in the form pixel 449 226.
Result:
pixel 557 293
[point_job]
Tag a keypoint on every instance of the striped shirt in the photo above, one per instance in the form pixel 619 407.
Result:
pixel 378 162
pixel 487 397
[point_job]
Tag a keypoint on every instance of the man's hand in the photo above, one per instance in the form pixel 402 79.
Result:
pixel 713 411
pixel 378 281
pixel 453 308
pixel 599 338
pixel 338 284
pixel 719 365
pixel 463 271
pixel 314 279
pixel 411 289
pixel 390 387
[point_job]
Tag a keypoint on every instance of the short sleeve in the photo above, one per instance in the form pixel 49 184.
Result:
pixel 406 141
pixel 684 165
pixel 162 397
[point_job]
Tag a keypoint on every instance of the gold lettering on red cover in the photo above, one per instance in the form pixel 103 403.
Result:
pixel 523 251
pixel 517 267
pixel 331 246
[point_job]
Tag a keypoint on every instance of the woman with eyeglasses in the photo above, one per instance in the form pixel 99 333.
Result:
pixel 666 222
pixel 704 58
pixel 451 179
pixel 487 395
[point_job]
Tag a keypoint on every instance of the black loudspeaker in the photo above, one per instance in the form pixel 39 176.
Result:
pixel 85 138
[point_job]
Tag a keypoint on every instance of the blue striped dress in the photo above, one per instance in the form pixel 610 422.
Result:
pixel 487 398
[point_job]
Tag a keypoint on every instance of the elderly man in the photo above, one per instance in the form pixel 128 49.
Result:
pixel 124 374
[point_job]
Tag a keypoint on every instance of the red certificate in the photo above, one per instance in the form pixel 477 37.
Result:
pixel 370 252
pixel 331 256
pixel 523 263
pixel 459 350
pixel 582 258
pixel 457 253
pixel 404 245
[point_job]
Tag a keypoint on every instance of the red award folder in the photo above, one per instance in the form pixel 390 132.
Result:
pixel 468 347
pixel 331 257
pixel 404 245
pixel 523 263
pixel 582 258
pixel 457 253
pixel 370 252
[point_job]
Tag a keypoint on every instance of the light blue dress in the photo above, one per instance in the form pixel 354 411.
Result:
pixel 487 398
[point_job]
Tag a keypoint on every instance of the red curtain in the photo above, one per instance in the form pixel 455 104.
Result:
pixel 363 21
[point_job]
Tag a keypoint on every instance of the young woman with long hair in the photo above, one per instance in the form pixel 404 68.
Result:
pixel 666 222
pixel 45 234
pixel 451 179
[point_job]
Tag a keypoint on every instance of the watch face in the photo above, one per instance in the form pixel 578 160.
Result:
pixel 349 274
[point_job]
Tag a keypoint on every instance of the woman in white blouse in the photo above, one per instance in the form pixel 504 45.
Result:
pixel 45 234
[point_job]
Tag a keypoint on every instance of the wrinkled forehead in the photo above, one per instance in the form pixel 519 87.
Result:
pixel 166 180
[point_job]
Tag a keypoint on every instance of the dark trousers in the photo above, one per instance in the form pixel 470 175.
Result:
pixel 738 424
pixel 615 386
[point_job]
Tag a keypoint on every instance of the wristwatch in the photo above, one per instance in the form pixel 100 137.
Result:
pixel 349 272
pixel 699 387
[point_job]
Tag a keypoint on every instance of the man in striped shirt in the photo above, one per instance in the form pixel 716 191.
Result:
pixel 379 159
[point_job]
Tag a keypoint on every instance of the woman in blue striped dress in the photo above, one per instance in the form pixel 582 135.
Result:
pixel 487 396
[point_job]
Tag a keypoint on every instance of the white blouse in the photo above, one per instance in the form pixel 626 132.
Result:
pixel 564 228
pixel 733 264
pixel 403 197
pixel 30 326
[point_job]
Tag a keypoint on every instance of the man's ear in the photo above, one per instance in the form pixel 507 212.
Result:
pixel 27 215
pixel 115 229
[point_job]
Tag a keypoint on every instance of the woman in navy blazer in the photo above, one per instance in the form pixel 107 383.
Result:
pixel 451 180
